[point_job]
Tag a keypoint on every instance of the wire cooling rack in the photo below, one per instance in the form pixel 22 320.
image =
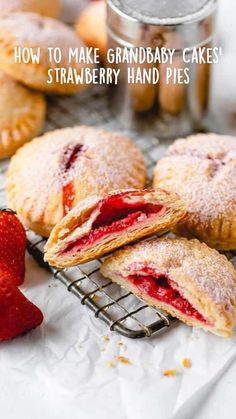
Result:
pixel 119 309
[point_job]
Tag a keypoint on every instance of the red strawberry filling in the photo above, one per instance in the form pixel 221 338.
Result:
pixel 68 193
pixel 117 214
pixel 161 288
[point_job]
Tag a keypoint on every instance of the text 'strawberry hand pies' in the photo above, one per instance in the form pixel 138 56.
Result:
pixel 201 169
pixel 29 30
pixel 184 277
pixel 22 114
pixel 91 26
pixel 99 225
pixel 42 7
pixel 53 173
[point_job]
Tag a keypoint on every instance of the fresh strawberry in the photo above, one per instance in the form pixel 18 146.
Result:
pixel 12 246
pixel 17 314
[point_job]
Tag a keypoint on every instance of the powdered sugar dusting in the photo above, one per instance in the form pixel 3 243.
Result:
pixel 202 170
pixel 29 28
pixel 106 162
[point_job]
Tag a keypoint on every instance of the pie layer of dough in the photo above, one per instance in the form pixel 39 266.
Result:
pixel 52 174
pixel 184 277
pixel 33 31
pixel 201 169
pixel 22 114
pixel 99 225
pixel 49 8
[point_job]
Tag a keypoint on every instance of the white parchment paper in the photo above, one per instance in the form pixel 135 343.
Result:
pixel 69 366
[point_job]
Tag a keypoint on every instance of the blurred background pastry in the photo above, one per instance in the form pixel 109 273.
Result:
pixel 91 26
pixel 34 31
pixel 22 115
pixel 49 8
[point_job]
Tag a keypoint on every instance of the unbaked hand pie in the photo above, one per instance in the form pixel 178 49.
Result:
pixel 22 114
pixel 29 30
pixel 99 225
pixel 91 26
pixel 201 169
pixel 42 7
pixel 184 277
pixel 50 175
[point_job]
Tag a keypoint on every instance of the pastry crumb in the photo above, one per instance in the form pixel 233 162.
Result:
pixel 106 338
pixel 123 360
pixel 170 373
pixel 110 364
pixel 186 363
pixel 79 346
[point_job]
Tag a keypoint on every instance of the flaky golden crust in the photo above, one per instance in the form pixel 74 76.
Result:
pixel 22 114
pixel 91 26
pixel 201 169
pixel 78 223
pixel 29 30
pixel 42 7
pixel 202 276
pixel 38 173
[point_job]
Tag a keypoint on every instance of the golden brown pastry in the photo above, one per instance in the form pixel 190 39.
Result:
pixel 99 225
pixel 22 114
pixel 91 26
pixel 49 8
pixel 29 30
pixel 201 169
pixel 53 173
pixel 183 277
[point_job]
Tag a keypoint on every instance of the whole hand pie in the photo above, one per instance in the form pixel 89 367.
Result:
pixel 34 32
pixel 201 169
pixel 42 7
pixel 91 26
pixel 52 174
pixel 99 225
pixel 22 114
pixel 183 277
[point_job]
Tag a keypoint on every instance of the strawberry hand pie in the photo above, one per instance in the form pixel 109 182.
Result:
pixel 99 225
pixel 183 277
pixel 201 169
pixel 53 173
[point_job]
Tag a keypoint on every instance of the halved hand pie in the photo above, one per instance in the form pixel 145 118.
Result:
pixel 183 277
pixel 99 225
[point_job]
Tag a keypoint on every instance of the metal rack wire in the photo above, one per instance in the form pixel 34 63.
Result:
pixel 119 309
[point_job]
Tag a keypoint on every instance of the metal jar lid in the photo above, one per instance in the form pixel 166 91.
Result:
pixel 161 23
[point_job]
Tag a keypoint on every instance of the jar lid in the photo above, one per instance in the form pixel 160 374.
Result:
pixel 141 22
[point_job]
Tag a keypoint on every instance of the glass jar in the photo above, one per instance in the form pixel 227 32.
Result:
pixel 170 109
